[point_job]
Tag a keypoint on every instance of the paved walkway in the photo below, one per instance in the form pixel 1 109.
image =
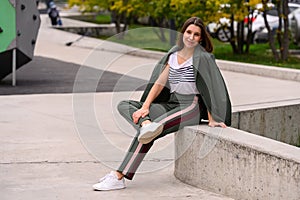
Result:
pixel 55 144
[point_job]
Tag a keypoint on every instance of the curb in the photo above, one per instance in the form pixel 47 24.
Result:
pixel 260 70
pixel 247 68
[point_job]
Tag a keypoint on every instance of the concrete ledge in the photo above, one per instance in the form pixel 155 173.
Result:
pixel 275 120
pixel 260 70
pixel 94 31
pixel 237 164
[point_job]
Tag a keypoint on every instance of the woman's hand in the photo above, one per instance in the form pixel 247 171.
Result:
pixel 154 92
pixel 142 112
pixel 213 123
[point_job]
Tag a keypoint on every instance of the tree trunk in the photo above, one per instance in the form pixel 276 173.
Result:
pixel 286 41
pixel 158 31
pixel 279 29
pixel 270 35
pixel 249 34
pixel 240 37
pixel 173 32
pixel 232 38
pixel 118 20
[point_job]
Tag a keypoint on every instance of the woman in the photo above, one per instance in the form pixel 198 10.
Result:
pixel 185 87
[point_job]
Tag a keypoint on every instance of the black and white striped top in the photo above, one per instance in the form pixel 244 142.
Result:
pixel 181 76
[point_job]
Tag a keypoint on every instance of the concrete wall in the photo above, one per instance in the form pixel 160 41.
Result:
pixel 280 123
pixel 92 31
pixel 237 164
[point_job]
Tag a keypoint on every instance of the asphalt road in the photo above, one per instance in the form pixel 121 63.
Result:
pixel 46 76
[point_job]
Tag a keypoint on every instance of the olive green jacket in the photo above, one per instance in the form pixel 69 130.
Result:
pixel 209 82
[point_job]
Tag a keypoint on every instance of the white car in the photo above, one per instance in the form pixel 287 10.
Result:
pixel 295 26
pixel 259 29
pixel 260 34
pixel 221 30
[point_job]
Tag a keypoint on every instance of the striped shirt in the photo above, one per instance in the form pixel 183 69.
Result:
pixel 181 76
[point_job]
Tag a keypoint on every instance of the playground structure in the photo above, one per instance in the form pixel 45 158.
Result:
pixel 19 25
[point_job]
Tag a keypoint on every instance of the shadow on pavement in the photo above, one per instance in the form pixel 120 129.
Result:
pixel 45 75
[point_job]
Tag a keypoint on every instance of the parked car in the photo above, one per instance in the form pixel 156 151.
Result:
pixel 295 26
pixel 221 30
pixel 261 32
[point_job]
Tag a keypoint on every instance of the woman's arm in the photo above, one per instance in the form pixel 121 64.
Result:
pixel 154 92
pixel 213 123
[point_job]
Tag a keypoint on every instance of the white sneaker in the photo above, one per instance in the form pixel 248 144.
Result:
pixel 150 131
pixel 110 182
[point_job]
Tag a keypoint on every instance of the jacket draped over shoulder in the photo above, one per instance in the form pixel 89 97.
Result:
pixel 209 81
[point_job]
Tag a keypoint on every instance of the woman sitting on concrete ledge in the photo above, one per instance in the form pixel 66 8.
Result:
pixel 186 86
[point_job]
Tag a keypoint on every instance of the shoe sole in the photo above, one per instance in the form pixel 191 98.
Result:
pixel 108 189
pixel 96 189
pixel 150 135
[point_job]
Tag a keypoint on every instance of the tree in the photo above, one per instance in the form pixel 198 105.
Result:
pixel 159 13
pixel 236 11
pixel 120 9
pixel 241 14
pixel 172 13
pixel 282 32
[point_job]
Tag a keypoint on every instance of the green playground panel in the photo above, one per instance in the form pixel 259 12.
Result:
pixel 7 24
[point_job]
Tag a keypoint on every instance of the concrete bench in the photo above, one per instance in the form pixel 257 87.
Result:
pixel 237 164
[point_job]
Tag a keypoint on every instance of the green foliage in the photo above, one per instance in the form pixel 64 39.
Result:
pixel 143 38
pixel 259 54
pixel 180 10
pixel 90 5
pixel 162 11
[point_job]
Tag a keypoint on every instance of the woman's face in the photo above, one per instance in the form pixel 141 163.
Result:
pixel 191 36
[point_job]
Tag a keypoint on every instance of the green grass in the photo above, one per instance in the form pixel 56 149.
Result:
pixel 97 19
pixel 145 38
pixel 259 54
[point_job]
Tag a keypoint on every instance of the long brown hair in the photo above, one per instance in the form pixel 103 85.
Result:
pixel 205 38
